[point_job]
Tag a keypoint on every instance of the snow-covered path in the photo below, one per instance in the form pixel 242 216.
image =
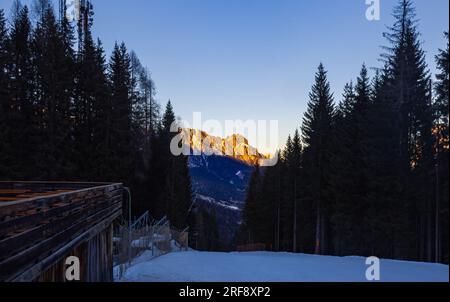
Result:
pixel 276 267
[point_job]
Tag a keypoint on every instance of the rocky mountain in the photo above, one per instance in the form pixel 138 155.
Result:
pixel 220 179
pixel 235 146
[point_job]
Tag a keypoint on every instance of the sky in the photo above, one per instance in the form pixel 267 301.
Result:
pixel 253 59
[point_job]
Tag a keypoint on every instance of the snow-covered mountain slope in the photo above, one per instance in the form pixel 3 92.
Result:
pixel 276 267
pixel 220 183
pixel 220 170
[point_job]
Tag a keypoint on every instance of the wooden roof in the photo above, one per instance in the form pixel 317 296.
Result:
pixel 24 190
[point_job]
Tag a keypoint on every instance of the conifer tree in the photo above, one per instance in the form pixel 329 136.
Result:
pixel 20 116
pixel 121 116
pixel 316 134
pixel 169 180
pixel 5 146
pixel 85 97
pixel 251 214
pixel 287 198
pixel 441 131
pixel 295 171
pixel 52 96
pixel 409 90
pixel 270 207
pixel 342 176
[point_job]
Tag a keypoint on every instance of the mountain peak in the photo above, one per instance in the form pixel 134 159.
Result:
pixel 235 146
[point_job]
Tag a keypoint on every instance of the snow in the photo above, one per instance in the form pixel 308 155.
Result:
pixel 220 203
pixel 240 175
pixel 147 255
pixel 196 266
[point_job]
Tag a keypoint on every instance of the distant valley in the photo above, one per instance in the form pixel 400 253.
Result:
pixel 220 181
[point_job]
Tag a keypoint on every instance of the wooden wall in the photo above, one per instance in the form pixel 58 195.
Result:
pixel 96 261
pixel 38 234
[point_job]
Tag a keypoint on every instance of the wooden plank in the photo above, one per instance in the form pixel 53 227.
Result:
pixel 49 185
pixel 8 199
pixel 76 188
pixel 9 210
pixel 13 191
pixel 34 218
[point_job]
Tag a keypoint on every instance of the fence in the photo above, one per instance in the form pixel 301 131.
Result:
pixel 255 247
pixel 145 235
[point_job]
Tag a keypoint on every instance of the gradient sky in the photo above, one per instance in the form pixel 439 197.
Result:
pixel 253 59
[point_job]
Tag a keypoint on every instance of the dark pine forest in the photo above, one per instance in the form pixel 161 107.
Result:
pixel 368 173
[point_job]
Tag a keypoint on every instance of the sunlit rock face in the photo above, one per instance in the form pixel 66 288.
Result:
pixel 220 170
pixel 235 146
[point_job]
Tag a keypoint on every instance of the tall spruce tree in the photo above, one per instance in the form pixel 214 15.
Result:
pixel 169 180
pixel 383 220
pixel 85 97
pixel 121 116
pixel 441 131
pixel 287 198
pixel 357 131
pixel 5 146
pixel 294 165
pixel 317 134
pixel 342 176
pixel 102 119
pixel 409 90
pixel 270 207
pixel 349 177
pixel 177 195
pixel 251 214
pixel 52 95
pixel 21 110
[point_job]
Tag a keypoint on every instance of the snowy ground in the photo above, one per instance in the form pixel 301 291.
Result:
pixel 275 267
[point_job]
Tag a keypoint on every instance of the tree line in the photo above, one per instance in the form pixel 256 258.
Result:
pixel 69 113
pixel 369 175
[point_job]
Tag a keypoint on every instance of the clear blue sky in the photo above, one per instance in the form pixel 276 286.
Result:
pixel 253 59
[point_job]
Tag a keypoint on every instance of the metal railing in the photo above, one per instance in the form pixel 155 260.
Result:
pixel 145 235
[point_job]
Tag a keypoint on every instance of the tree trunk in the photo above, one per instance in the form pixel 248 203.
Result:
pixel 429 233
pixel 436 219
pixel 323 237
pixel 294 235
pixel 295 228
pixel 277 235
pixel 318 231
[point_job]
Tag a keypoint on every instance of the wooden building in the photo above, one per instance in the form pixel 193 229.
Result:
pixel 42 224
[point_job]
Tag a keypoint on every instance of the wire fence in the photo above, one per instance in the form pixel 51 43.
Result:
pixel 145 237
